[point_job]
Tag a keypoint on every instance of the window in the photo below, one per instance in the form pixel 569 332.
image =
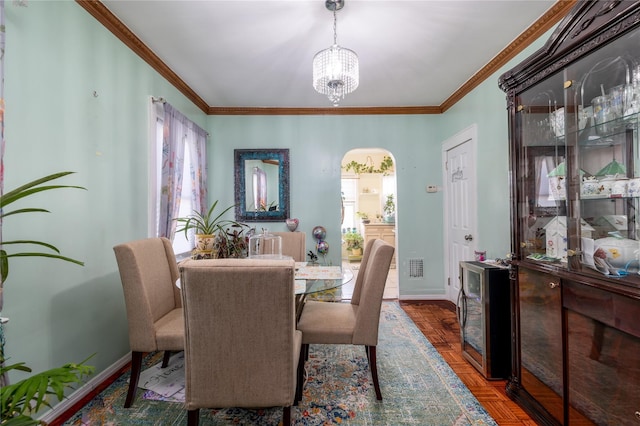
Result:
pixel 180 242
pixel 177 175
pixel 349 189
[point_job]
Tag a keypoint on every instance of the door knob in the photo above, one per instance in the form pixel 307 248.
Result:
pixel 468 237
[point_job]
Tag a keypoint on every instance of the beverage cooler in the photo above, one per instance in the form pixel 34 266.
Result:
pixel 485 318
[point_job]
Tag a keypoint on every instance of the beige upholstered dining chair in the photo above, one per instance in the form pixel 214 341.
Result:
pixel 148 271
pixel 242 348
pixel 354 323
pixel 293 244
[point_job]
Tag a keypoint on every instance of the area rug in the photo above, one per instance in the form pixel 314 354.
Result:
pixel 418 387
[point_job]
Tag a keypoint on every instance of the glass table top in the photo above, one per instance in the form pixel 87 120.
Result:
pixel 313 279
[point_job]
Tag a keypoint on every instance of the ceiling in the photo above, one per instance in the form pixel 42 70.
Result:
pixel 258 54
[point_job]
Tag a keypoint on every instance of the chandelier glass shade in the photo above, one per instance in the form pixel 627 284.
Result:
pixel 336 71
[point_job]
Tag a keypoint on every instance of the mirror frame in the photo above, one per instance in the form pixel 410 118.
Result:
pixel 244 215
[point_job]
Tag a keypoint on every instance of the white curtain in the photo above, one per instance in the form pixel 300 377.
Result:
pixel 178 131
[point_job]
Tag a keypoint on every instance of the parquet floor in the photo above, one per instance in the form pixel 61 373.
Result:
pixel 437 320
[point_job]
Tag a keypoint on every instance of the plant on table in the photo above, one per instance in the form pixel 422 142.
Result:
pixel 233 243
pixel 212 231
pixel 364 217
pixel 27 396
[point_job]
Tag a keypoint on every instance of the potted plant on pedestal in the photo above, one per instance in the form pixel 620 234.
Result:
pixel 354 242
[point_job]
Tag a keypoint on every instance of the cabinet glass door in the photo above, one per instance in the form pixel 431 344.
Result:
pixel 602 94
pixel 578 167
pixel 542 174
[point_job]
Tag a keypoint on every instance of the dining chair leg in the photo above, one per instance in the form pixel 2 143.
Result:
pixel 286 416
pixel 193 417
pixel 371 352
pixel 136 366
pixel 305 346
pixel 300 379
pixel 165 358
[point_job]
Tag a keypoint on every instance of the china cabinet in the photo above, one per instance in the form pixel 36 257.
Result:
pixel 382 231
pixel 574 111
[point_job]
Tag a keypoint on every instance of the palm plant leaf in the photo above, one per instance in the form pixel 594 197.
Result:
pixel 23 191
pixel 29 210
pixel 52 247
pixel 29 188
pixel 30 395
pixel 49 255
pixel 4 265
pixel 13 196
pixel 205 223
pixel 20 421
pixel 19 400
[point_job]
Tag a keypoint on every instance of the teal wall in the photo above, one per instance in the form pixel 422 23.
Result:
pixel 485 106
pixel 58 56
pixel 317 145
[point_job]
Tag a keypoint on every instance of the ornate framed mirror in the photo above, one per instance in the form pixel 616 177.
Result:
pixel 262 185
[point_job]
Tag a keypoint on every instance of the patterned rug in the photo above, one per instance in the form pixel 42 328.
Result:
pixel 418 388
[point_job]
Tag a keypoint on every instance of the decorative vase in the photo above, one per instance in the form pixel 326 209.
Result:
pixel 292 224
pixel 356 251
pixel 205 242
pixel 201 254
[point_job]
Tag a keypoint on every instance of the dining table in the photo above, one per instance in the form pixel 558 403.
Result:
pixel 312 279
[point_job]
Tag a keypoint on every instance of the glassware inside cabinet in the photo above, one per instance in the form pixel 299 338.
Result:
pixel 542 173
pixel 609 201
pixel 607 98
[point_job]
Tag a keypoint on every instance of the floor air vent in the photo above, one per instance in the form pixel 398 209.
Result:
pixel 416 268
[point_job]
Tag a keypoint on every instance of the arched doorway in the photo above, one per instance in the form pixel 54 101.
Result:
pixel 369 205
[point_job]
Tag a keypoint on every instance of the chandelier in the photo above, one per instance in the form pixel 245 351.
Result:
pixel 335 70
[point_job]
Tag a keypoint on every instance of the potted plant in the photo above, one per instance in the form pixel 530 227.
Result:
pixel 364 217
pixel 386 166
pixel 25 397
pixel 354 242
pixel 232 242
pixel 209 230
pixel 389 209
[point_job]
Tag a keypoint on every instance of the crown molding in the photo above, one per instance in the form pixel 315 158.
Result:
pixel 554 15
pixel 558 11
pixel 120 30
pixel 324 111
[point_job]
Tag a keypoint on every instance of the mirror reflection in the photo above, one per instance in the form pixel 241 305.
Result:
pixel 262 184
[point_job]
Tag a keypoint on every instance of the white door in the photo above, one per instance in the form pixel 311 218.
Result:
pixel 459 156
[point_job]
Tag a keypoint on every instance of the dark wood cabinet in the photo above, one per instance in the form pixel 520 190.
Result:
pixel 603 355
pixel 540 326
pixel 574 115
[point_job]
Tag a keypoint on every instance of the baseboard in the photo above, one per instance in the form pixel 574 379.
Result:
pixel 85 390
pixel 410 297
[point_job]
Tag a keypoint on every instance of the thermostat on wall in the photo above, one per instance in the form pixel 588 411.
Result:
pixel 432 188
